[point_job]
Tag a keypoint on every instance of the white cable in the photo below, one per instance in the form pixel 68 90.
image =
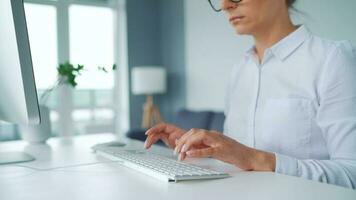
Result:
pixel 64 167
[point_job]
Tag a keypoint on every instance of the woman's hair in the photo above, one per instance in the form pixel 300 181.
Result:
pixel 290 3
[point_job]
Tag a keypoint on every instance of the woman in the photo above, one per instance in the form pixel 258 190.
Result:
pixel 291 104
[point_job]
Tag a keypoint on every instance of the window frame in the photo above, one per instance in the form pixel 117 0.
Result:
pixel 121 89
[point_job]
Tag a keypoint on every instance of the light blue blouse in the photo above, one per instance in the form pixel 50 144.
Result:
pixel 299 103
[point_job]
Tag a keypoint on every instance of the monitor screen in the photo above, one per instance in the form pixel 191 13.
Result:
pixel 18 103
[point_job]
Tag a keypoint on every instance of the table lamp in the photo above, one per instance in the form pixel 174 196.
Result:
pixel 149 80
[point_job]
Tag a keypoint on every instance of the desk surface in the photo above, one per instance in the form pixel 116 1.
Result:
pixel 66 168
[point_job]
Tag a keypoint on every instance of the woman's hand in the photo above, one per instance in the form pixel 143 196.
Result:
pixel 203 143
pixel 166 132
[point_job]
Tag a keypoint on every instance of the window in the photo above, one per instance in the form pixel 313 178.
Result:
pixel 91 34
pixel 92 44
pixel 88 32
pixel 89 25
pixel 42 30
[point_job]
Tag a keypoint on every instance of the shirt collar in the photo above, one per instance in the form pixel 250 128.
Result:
pixel 287 45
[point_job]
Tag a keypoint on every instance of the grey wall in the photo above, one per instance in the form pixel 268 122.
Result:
pixel 328 18
pixel 173 57
pixel 156 37
pixel 212 48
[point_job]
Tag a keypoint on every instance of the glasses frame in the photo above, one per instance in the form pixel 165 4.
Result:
pixel 218 10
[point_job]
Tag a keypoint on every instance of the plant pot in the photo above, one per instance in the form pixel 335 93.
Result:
pixel 38 133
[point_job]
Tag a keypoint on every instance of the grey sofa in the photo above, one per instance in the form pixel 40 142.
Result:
pixel 188 119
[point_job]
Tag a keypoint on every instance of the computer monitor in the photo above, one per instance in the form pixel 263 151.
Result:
pixel 18 96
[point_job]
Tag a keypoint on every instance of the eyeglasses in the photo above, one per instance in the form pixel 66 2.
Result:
pixel 216 4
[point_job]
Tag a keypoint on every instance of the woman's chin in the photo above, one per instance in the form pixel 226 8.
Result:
pixel 242 30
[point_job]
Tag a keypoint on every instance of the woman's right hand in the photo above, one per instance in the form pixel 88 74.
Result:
pixel 168 133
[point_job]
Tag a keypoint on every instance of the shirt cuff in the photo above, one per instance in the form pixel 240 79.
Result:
pixel 286 165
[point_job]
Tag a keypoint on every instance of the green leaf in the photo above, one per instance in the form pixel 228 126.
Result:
pixel 70 73
pixel 102 69
pixel 80 67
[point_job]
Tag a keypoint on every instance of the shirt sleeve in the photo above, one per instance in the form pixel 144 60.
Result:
pixel 336 116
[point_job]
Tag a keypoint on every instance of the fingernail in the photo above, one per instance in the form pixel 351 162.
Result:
pixel 188 153
pixel 145 145
pixel 180 157
pixel 176 150
pixel 184 148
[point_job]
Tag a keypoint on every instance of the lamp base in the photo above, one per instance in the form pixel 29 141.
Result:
pixel 151 115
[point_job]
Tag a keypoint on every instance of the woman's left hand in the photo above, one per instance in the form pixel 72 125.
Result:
pixel 203 143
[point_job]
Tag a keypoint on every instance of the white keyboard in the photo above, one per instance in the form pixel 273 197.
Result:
pixel 159 166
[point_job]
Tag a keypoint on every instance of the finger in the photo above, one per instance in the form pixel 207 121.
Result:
pixel 201 153
pixel 151 139
pixel 182 147
pixel 157 137
pixel 181 141
pixel 195 140
pixel 166 141
pixel 156 129
pixel 163 128
pixel 169 142
pixel 181 156
pixel 148 142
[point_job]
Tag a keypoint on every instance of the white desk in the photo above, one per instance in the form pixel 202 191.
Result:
pixel 50 177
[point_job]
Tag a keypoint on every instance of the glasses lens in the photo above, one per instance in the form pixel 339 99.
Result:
pixel 216 4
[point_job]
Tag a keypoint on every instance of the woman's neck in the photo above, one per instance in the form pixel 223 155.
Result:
pixel 268 36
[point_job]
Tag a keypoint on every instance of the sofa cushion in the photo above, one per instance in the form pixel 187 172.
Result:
pixel 139 134
pixel 187 119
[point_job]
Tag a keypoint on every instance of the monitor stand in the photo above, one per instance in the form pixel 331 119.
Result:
pixel 9 157
pixel 14 157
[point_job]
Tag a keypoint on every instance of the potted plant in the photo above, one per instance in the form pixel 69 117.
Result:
pixel 67 75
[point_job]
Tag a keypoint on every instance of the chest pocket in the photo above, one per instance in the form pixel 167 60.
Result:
pixel 286 126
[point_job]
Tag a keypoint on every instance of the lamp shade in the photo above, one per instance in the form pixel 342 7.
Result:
pixel 148 80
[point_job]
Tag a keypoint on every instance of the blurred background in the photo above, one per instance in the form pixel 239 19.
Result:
pixel 196 46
